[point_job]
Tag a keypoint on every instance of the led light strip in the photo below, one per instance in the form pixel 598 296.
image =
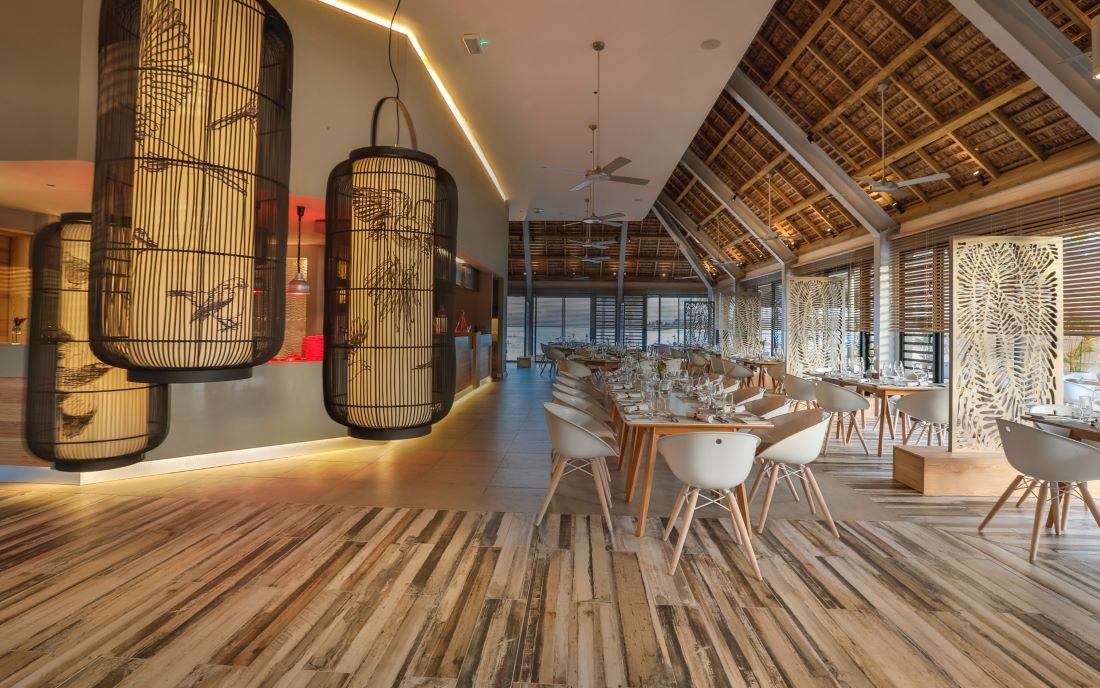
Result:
pixel 407 32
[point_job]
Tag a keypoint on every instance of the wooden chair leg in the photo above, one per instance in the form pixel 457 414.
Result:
pixel 1067 492
pixel 765 469
pixel 555 478
pixel 685 526
pixel 768 498
pixel 1055 498
pixel 851 427
pixel 1032 483
pixel 809 494
pixel 821 500
pixel 601 492
pixel 675 512
pixel 1000 502
pixel 1037 526
pixel 859 434
pixel 743 531
pixel 1086 497
pixel 790 486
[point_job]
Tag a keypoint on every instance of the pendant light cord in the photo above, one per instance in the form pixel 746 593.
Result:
pixel 389 57
pixel 301 212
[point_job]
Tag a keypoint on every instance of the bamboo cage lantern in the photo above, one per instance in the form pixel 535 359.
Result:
pixel 391 228
pixel 190 198
pixel 81 413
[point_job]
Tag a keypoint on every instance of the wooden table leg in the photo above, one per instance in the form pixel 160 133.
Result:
pixel 640 441
pixel 647 485
pixel 883 407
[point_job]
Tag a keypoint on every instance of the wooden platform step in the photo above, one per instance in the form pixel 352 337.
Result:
pixel 936 471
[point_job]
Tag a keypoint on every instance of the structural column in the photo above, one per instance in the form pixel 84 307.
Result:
pixel 885 345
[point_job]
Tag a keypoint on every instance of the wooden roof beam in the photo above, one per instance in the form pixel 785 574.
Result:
pixel 743 214
pixel 1043 52
pixel 686 251
pixel 808 35
pixel 712 250
pixel 818 163
pixel 903 56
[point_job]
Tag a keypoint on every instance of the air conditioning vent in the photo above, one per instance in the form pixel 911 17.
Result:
pixel 473 43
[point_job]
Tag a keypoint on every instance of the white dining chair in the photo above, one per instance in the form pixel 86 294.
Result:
pixel 697 362
pixel 582 385
pixel 1058 463
pixel 788 456
pixel 714 464
pixel 930 411
pixel 737 371
pixel 552 357
pixel 738 397
pixel 577 448
pixel 715 363
pixel 802 392
pixel 776 373
pixel 841 403
pixel 768 407
pixel 1029 484
pixel 574 368
pixel 584 405
pixel 674 365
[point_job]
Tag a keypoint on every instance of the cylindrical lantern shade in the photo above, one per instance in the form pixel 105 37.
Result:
pixel 190 199
pixel 389 356
pixel 81 413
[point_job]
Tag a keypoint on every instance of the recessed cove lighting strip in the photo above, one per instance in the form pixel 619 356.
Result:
pixel 451 105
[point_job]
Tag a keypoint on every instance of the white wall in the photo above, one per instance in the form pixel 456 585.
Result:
pixel 47 111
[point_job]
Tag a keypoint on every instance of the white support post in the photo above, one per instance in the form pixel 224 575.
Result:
pixel 885 344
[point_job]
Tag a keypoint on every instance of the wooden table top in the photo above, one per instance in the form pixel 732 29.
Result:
pixel 1078 430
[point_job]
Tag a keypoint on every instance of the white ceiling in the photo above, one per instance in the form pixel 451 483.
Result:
pixel 529 97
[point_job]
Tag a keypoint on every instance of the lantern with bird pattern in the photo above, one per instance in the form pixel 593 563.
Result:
pixel 190 198
pixel 390 232
pixel 81 413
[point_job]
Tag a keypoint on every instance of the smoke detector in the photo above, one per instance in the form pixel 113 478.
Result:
pixel 475 44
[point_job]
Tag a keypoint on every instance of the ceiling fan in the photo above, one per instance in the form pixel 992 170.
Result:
pixel 591 218
pixel 598 172
pixel 884 185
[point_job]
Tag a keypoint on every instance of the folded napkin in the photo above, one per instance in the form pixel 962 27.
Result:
pixel 704 416
pixel 636 408
pixel 630 395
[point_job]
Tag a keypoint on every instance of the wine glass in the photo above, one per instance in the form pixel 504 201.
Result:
pixel 1084 406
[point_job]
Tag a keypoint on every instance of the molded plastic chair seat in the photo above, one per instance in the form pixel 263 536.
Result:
pixel 736 370
pixel 574 448
pixel 587 407
pixel 1058 463
pixel 768 407
pixel 711 462
pixel 931 410
pixel 574 368
pixel 802 392
pixel 841 403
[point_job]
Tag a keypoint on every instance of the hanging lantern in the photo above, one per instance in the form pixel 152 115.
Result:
pixel 391 227
pixel 81 413
pixel 190 198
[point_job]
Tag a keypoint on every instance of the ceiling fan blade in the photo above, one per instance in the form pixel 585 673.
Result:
pixel 615 164
pixel 583 185
pixel 868 181
pixel 922 180
pixel 576 222
pixel 611 216
pixel 574 241
pixel 637 181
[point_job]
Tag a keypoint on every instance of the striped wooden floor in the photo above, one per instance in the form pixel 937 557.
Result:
pixel 103 589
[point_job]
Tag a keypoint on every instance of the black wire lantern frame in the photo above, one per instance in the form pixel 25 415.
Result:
pixel 190 195
pixel 391 230
pixel 81 414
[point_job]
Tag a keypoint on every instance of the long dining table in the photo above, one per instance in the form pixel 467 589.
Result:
pixel 640 432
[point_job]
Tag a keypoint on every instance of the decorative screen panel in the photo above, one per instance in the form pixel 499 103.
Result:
pixel 1006 333
pixel 746 324
pixel 698 323
pixel 815 324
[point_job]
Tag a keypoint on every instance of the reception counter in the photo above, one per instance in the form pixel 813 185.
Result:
pixel 472 359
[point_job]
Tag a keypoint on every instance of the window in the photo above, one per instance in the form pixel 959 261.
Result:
pixel 548 321
pixel 577 318
pixel 771 315
pixel 516 335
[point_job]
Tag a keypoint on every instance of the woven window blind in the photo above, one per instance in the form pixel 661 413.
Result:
pixel 858 267
pixel 605 319
pixel 922 297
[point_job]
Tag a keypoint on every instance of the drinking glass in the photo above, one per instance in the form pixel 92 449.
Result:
pixel 1084 406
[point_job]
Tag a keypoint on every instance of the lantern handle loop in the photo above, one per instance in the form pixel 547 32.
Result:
pixel 404 112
